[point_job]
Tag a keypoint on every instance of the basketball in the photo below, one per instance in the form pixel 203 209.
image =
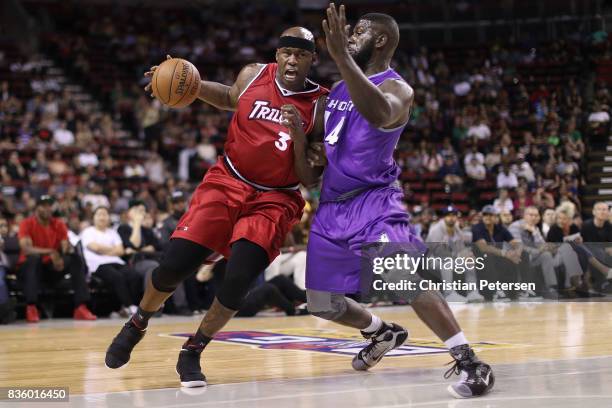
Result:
pixel 176 83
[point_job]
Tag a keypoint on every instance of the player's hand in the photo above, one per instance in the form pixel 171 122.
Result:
pixel 336 32
pixel 149 74
pixel 293 121
pixel 57 261
pixel 316 156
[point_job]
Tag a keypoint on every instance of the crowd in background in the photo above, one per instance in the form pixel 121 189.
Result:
pixel 120 176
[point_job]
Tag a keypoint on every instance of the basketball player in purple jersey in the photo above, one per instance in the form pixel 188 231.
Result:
pixel 364 116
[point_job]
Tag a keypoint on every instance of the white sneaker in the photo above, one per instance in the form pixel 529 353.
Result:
pixel 500 296
pixel 454 297
pixel 474 297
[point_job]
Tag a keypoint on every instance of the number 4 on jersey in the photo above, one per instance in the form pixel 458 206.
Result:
pixel 332 137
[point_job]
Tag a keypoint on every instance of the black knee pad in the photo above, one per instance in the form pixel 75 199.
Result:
pixel 233 290
pixel 248 260
pixel 181 259
pixel 165 279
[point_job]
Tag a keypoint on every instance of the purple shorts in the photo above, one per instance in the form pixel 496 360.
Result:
pixel 341 229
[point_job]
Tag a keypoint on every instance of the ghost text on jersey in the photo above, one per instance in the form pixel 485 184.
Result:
pixel 261 110
pixel 340 105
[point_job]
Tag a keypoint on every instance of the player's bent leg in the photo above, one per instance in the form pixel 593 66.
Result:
pixel 181 259
pixel 340 309
pixel 475 377
pixel 248 260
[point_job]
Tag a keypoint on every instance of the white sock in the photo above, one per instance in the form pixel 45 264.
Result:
pixel 374 325
pixel 457 340
pixel 610 273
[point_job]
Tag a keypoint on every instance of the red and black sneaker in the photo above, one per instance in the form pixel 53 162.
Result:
pixel 118 353
pixel 188 366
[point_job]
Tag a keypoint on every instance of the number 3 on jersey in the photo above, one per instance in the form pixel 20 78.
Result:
pixel 281 144
pixel 332 137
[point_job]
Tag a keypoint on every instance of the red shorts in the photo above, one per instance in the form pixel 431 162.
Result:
pixel 224 209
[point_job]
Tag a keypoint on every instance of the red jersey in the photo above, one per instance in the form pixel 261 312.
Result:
pixel 258 147
pixel 42 236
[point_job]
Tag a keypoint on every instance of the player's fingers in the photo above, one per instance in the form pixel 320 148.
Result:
pixel 325 28
pixel 317 147
pixel 334 12
pixel 330 20
pixel 342 16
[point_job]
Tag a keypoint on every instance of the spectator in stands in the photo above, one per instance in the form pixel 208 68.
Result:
pixel 46 256
pixel 279 292
pixel 548 220
pixel 7 305
pixel 87 157
pixel 475 169
pixel 57 165
pixel 432 160
pixel 566 231
pixel 140 243
pixel 524 170
pixel 102 249
pixel 505 218
pixel 501 263
pixel 133 169
pixel 480 130
pixel 493 158
pixel 13 170
pixel 473 154
pixel 506 178
pixel 503 202
pixel 178 206
pixel 450 172
pixel 522 201
pixel 95 197
pixel 448 232
pixel 143 248
pixel 63 136
pixel 155 168
pixel 526 230
pixel 597 235
pixel 599 116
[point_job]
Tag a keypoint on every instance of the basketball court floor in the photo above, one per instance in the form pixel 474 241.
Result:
pixel 543 354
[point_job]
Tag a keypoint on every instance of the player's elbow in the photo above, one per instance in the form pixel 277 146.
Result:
pixel 380 118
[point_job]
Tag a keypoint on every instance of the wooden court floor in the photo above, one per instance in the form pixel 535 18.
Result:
pixel 66 353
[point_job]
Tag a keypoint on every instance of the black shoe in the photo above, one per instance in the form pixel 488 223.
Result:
pixel 476 377
pixel 188 365
pixel 119 351
pixel 383 341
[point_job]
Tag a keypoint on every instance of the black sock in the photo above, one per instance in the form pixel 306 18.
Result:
pixel 141 318
pixel 198 341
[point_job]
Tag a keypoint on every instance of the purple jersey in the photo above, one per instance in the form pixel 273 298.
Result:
pixel 359 155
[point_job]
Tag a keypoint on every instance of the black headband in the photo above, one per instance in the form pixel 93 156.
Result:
pixel 296 42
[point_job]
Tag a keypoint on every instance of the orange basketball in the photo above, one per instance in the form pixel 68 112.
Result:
pixel 176 83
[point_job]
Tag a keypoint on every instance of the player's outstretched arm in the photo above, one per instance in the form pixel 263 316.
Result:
pixel 221 96
pixel 307 171
pixel 384 106
pixel 226 97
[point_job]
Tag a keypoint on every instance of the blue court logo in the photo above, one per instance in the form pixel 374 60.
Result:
pixel 321 341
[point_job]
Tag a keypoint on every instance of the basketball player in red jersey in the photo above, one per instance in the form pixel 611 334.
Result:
pixel 247 202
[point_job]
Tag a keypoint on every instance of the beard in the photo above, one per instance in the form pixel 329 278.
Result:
pixel 363 56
